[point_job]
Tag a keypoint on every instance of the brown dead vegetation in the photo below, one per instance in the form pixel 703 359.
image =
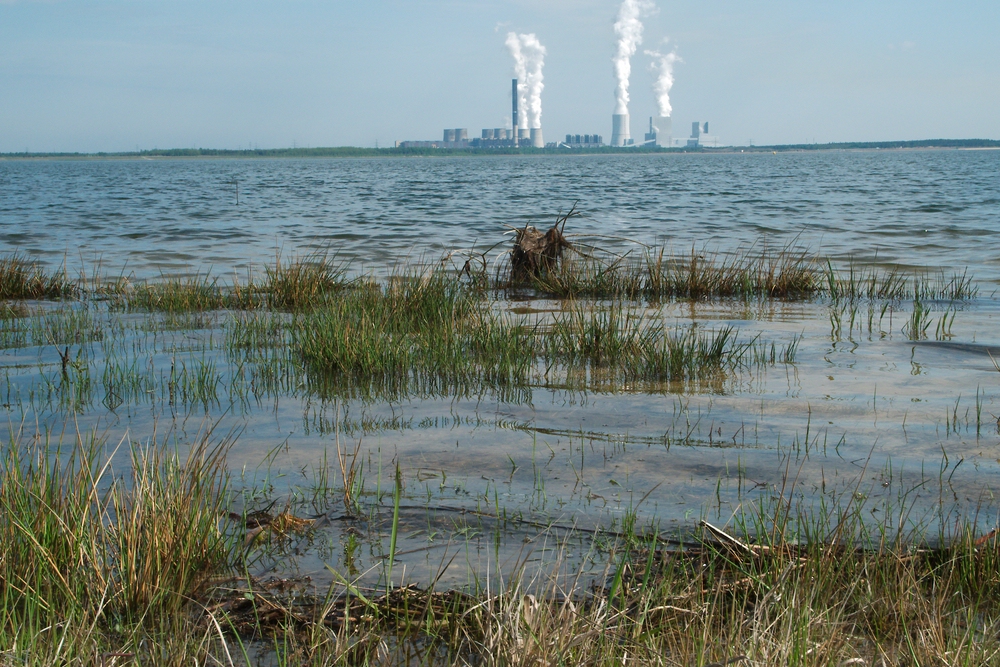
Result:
pixel 536 253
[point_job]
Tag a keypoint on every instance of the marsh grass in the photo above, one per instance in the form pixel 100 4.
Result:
pixel 429 334
pixel 99 560
pixel 778 587
pixel 174 294
pixel 303 283
pixel 21 278
pixel 141 562
pixel 787 273
pixel 873 283
pixel 422 333
pixel 291 285
pixel 751 273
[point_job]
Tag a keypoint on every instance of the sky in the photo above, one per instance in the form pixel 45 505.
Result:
pixel 121 75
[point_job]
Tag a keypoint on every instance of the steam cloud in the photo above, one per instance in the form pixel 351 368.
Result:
pixel 663 67
pixel 628 30
pixel 529 57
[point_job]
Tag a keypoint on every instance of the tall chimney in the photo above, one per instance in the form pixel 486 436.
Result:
pixel 513 101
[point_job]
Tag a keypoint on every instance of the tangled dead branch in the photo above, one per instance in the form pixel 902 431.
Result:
pixel 535 253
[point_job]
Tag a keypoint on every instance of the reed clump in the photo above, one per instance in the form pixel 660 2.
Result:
pixel 171 294
pixel 303 283
pixel 784 274
pixel 425 332
pixel 97 560
pixel 21 278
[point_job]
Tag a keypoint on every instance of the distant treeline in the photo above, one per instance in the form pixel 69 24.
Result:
pixel 872 145
pixel 352 151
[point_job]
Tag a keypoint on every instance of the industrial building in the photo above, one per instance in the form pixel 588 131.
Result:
pixel 700 138
pixel 583 141
pixel 491 137
pixel 660 128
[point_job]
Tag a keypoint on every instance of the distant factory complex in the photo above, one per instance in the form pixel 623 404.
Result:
pixel 526 98
pixel 659 134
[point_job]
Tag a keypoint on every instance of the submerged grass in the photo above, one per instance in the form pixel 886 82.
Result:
pixel 413 333
pixel 431 334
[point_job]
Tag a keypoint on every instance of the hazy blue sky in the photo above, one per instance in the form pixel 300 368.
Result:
pixel 89 75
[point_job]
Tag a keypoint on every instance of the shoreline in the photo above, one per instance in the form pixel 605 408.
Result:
pixel 358 152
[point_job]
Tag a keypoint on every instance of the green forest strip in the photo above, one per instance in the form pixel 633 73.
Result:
pixel 353 151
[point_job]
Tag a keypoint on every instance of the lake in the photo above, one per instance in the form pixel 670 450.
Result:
pixel 904 422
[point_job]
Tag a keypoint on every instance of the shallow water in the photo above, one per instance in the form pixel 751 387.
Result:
pixel 862 412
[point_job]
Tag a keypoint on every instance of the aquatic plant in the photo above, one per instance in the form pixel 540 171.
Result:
pixel 171 294
pixel 97 560
pixel 304 282
pixel 425 332
pixel 655 275
pixel 21 278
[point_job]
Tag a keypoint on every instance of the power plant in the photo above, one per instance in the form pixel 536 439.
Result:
pixel 516 137
pixel 526 88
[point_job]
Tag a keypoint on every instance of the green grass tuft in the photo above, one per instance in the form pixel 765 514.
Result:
pixel 21 278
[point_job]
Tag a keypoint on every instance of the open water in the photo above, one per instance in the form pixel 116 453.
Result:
pixel 863 412
pixel 915 208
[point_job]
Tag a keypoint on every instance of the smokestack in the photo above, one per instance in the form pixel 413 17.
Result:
pixel 536 138
pixel 513 100
pixel 619 129
pixel 529 59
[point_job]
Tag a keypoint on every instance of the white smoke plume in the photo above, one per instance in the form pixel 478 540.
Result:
pixel 529 58
pixel 663 67
pixel 628 30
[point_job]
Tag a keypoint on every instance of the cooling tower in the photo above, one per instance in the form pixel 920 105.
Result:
pixel 449 136
pixel 461 134
pixel 536 138
pixel 663 127
pixel 619 129
pixel 523 136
